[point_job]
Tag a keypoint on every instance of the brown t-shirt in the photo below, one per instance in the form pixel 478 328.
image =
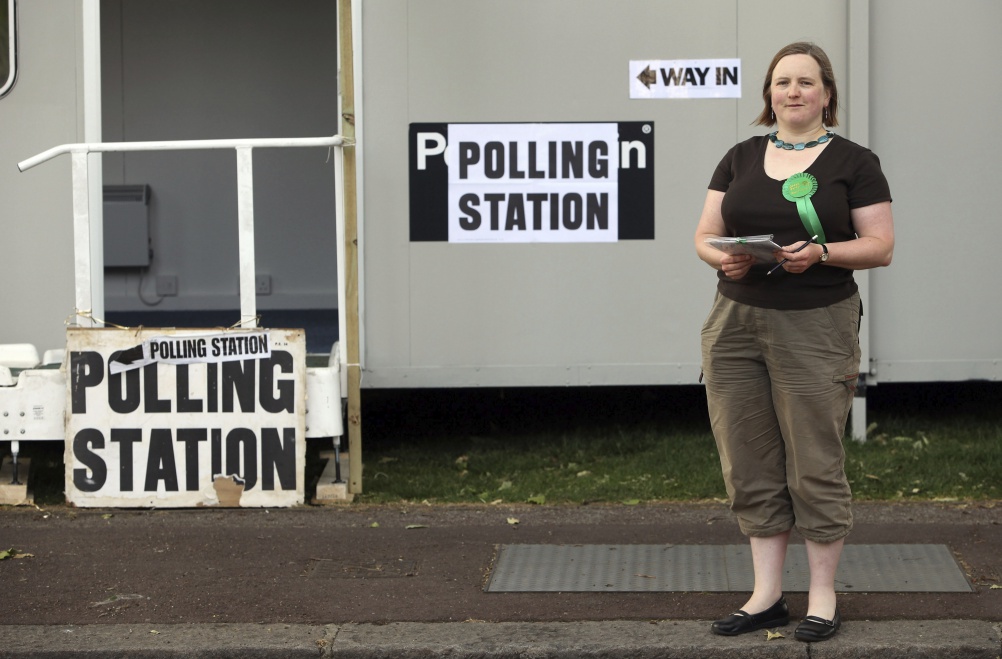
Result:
pixel 849 177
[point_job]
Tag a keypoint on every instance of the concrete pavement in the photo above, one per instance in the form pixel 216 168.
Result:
pixel 612 639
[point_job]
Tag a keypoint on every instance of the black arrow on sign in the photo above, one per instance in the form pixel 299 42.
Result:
pixel 648 77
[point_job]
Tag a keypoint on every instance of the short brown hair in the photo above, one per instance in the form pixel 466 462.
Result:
pixel 767 118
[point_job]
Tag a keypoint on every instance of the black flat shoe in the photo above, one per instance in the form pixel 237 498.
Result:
pixel 813 629
pixel 742 622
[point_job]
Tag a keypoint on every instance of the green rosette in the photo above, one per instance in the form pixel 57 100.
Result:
pixel 799 189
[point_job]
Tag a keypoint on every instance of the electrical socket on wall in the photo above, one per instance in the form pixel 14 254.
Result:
pixel 262 284
pixel 166 285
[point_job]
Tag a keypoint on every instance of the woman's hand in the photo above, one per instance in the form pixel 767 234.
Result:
pixel 799 261
pixel 736 266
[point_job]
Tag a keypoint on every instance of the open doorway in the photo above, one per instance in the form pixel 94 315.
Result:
pixel 214 69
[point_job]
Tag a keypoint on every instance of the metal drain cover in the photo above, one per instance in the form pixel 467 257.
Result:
pixel 715 568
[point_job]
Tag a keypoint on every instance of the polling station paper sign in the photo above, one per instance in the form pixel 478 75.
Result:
pixel 532 182
pixel 226 347
pixel 183 418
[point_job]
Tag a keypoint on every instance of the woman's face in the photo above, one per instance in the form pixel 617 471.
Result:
pixel 798 94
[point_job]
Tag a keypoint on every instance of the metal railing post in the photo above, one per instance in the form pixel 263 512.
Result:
pixel 83 274
pixel 245 223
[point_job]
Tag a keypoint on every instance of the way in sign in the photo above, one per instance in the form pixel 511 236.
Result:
pixel 693 76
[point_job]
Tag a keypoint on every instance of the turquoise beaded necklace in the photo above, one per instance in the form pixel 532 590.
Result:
pixel 799 146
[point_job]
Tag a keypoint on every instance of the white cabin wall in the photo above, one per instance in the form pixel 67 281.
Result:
pixel 44 109
pixel 935 86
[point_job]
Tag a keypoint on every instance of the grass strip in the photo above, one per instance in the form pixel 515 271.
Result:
pixel 940 441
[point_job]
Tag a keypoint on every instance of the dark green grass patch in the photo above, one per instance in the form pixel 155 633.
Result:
pixel 929 441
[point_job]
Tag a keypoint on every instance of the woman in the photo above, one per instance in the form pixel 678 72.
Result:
pixel 780 349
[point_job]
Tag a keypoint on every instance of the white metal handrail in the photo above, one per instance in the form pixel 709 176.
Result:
pixel 177 145
pixel 85 244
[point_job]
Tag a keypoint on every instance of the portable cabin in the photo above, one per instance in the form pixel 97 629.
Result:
pixel 558 277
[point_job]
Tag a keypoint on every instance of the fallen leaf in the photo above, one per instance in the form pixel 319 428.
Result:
pixel 153 631
pixel 995 586
pixel 107 516
pixel 631 502
pixel 416 526
pixel 374 525
pixel 769 635
pixel 539 499
pixel 513 521
pixel 13 553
